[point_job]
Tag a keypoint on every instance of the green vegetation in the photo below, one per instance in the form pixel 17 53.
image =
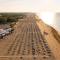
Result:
pixel 3 20
pixel 10 17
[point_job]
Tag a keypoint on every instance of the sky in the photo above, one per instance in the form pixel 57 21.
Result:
pixel 29 5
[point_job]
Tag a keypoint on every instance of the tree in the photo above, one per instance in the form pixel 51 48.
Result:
pixel 11 19
pixel 3 20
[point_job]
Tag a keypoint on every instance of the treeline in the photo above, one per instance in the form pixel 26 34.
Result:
pixel 7 20
pixel 10 17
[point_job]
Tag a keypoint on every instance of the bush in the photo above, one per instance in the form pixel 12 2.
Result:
pixel 11 19
pixel 3 20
